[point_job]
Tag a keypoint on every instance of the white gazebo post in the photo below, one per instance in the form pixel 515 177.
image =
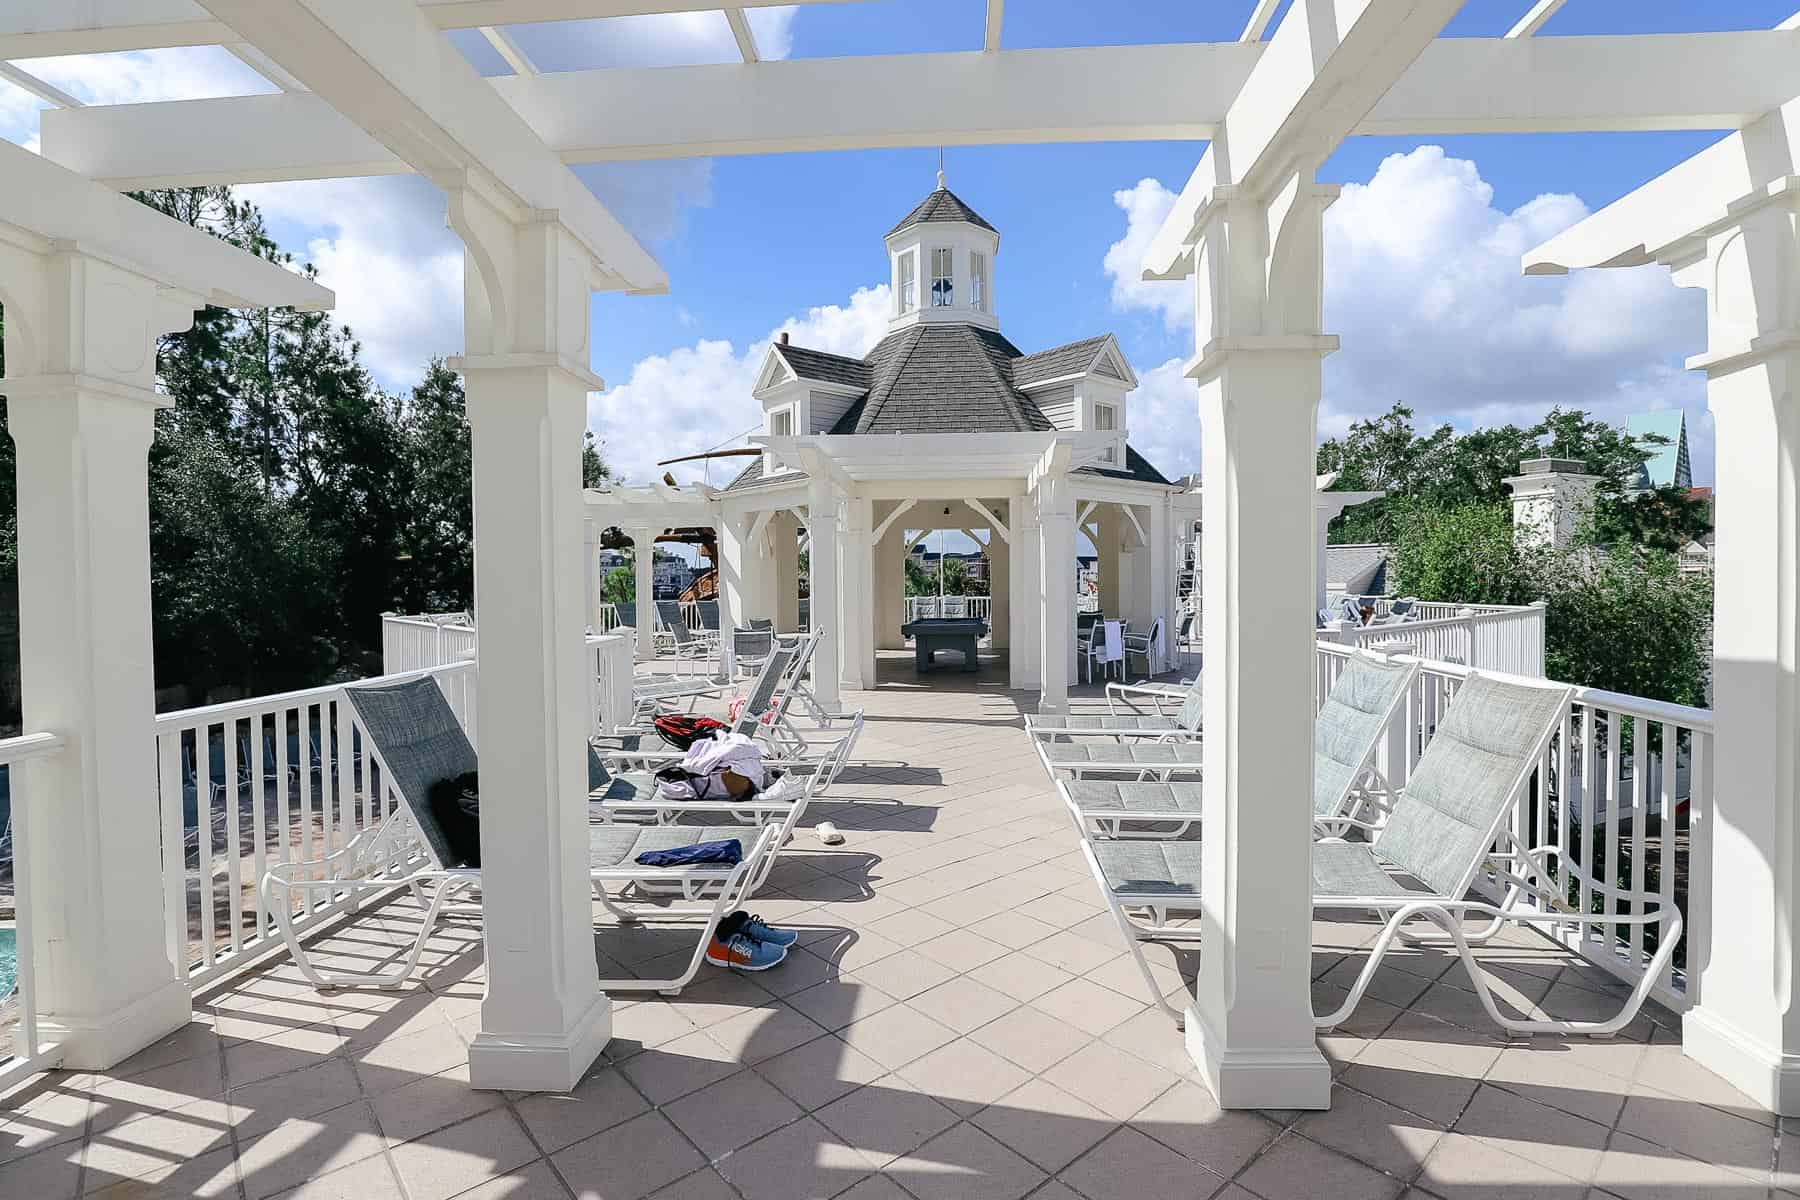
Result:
pixel 1056 576
pixel 1025 610
pixel 1257 286
pixel 1728 220
pixel 643 562
pixel 590 566
pixel 1327 507
pixel 822 551
pixel 543 1018
pixel 1162 582
pixel 855 620
pixel 90 279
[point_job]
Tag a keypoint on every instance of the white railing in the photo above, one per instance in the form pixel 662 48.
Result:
pixel 614 656
pixel 412 643
pixel 1508 639
pixel 255 782
pixel 20 758
pixel 978 607
pixel 1586 800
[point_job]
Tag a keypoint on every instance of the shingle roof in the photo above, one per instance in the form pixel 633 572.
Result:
pixel 1056 362
pixel 941 205
pixel 824 366
pixel 946 378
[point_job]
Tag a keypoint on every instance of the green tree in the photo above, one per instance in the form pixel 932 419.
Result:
pixel 956 577
pixel 1461 555
pixel 1627 622
pixel 595 470
pixel 919 582
pixel 619 586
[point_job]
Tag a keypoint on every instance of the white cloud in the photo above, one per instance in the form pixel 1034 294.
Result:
pixel 143 76
pixel 698 397
pixel 1145 205
pixel 1422 284
pixel 382 246
pixel 1165 418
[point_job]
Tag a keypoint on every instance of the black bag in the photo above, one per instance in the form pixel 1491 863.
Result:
pixel 456 805
pixel 682 731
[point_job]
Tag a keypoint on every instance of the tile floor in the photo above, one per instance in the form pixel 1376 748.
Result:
pixel 959 1021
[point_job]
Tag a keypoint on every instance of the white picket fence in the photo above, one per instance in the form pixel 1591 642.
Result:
pixel 411 643
pixel 1508 639
pixel 1625 787
pixel 22 759
pixel 268 780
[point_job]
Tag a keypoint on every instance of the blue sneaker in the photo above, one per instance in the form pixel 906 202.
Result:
pixel 742 952
pixel 764 932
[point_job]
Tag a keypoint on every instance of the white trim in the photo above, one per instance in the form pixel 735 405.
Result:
pixel 994 523
pixel 741 31
pixel 508 49
pixel 1534 19
pixel 1258 24
pixel 48 92
pixel 900 509
pixel 996 14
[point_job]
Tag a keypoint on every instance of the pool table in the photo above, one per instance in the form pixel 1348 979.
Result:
pixel 931 634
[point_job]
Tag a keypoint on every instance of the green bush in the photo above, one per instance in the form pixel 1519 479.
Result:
pixel 1459 555
pixel 1627 622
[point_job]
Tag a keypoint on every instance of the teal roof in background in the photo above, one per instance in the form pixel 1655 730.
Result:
pixel 1668 463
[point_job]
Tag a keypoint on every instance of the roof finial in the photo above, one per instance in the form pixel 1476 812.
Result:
pixel 940 168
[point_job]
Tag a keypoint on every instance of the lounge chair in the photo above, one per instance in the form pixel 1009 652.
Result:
pixel 1144 645
pixel 416 741
pixel 1445 829
pixel 688 646
pixel 1346 785
pixel 1181 726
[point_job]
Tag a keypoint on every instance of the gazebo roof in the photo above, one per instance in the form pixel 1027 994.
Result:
pixel 942 205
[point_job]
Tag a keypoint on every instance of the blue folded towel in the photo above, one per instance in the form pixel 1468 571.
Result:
pixel 729 852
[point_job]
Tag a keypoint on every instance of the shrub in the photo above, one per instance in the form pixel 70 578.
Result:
pixel 1460 555
pixel 1627 622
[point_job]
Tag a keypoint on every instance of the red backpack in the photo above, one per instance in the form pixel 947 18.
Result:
pixel 682 731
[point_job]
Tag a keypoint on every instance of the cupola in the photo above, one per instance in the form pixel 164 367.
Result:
pixel 941 264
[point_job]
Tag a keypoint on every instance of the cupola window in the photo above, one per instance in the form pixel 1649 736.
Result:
pixel 908 276
pixel 978 282
pixel 943 292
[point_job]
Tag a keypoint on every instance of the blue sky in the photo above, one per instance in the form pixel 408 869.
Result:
pixel 1420 284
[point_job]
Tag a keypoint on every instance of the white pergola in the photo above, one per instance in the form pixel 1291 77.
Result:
pixel 373 87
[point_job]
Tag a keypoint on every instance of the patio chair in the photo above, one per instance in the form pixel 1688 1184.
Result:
pixel 688 647
pixel 1105 647
pixel 1145 644
pixel 1445 831
pixel 1346 784
pixel 1180 726
pixel 416 740
pixel 1400 612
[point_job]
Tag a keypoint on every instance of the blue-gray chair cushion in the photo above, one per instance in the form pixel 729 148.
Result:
pixel 1155 868
pixel 1097 796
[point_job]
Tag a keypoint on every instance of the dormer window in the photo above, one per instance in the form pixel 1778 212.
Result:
pixel 978 282
pixel 908 278
pixel 943 293
pixel 1106 420
pixel 781 423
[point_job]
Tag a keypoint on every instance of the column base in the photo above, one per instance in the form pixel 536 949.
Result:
pixel 94 1045
pixel 1258 1078
pixel 552 1063
pixel 1760 1071
pixel 1053 708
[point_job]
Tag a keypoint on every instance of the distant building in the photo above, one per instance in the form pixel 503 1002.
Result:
pixel 1668 464
pixel 1357 569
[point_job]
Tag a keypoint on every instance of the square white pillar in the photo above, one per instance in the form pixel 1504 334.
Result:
pixel 1161 580
pixel 543 1019
pixel 107 980
pixel 1056 564
pixel 784 572
pixel 856 607
pixel 822 552
pixel 1250 1029
pixel 1024 581
pixel 643 564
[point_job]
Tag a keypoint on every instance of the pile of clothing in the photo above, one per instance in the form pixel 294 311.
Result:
pixel 726 766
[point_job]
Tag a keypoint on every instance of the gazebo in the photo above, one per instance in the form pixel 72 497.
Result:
pixel 943 424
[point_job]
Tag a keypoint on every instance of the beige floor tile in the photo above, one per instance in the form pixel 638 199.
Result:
pixel 1115 1083
pixel 905 974
pixel 964 1164
pixel 820 1071
pixel 533 1181
pixel 1297 1169
pixel 734 1112
pixel 963 1075
pixel 1374 1132
pixel 1465 1168
pixel 1710 1134
pixel 895 1036
pixel 53 1171
pixel 301 1149
pixel 963 1004
pixel 1087 1006
pixel 962 950
pixel 1130 1166
pixel 1188 1119
pixel 259 1106
pixel 628 1161
pixel 1035 1040
pixel 447 1161
pixel 370 1179
pixel 886 1119
pixel 802 1161
pixel 1044 1123
pixel 600 1101
pixel 214 1174
pixel 1020 976
pixel 684 1065
pixel 761 1033
pixel 838 1002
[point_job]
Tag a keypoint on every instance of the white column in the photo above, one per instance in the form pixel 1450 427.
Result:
pixel 822 527
pixel 855 607
pixel 643 563
pixel 82 423
pixel 1744 911
pixel 543 1018
pixel 1056 565
pixel 1323 515
pixel 590 570
pixel 1250 1029
pixel 890 589
pixel 734 536
pixel 1024 586
pixel 784 573
pixel 1161 576
pixel 1106 548
pixel 999 554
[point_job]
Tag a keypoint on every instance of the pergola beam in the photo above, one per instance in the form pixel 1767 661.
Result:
pixel 508 49
pixel 1258 24
pixel 1458 85
pixel 43 28
pixel 1534 20
pixel 44 90
pixel 740 30
pixel 383 65
pixel 996 15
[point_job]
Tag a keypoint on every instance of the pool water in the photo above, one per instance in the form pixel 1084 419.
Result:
pixel 9 961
